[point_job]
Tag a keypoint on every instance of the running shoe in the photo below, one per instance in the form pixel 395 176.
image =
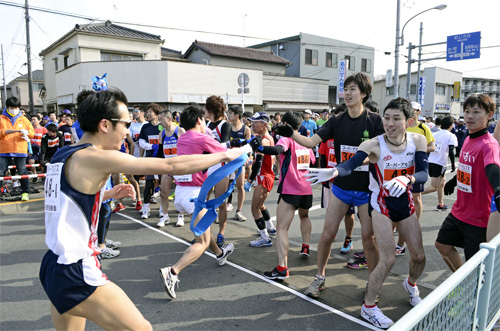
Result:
pixel 133 203
pixel 220 240
pixel 347 248
pixel 169 280
pixel 376 317
pixel 304 251
pixel 413 292
pixel 239 217
pixel 229 206
pixel 164 220
pixel 275 274
pixel 227 249
pixel 113 244
pixel 145 212
pixel 160 212
pixel 180 221
pixel 171 197
pixel 119 207
pixel 359 254
pixel 400 250
pixel 261 242
pixel 108 253
pixel 153 201
pixel 138 205
pixel 443 207
pixel 25 197
pixel 271 233
pixel 156 194
pixel 357 263
pixel 316 287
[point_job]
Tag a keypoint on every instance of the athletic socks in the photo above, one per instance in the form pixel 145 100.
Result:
pixel 261 224
pixel 266 215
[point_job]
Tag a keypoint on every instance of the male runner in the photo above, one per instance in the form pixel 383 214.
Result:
pixel 349 129
pixel 36 142
pixel 397 160
pixel 70 272
pixel 168 148
pixel 135 131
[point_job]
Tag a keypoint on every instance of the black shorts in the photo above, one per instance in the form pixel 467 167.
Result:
pixel 456 233
pixel 436 170
pixel 298 201
pixel 417 188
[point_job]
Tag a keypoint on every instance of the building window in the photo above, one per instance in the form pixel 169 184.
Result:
pixel 37 86
pixel 108 57
pixel 331 60
pixel 56 64
pixel 413 89
pixel 389 91
pixel 350 60
pixel 440 90
pixel 66 61
pixel 311 57
pixel 366 65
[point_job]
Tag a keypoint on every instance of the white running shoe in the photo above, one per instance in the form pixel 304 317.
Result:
pixel 413 292
pixel 108 253
pixel 113 244
pixel 160 212
pixel 180 221
pixel 145 211
pixel 227 249
pixel 239 217
pixel 261 242
pixel 229 206
pixel 169 280
pixel 164 220
pixel 376 317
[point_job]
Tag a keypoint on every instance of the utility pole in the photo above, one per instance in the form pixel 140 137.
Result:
pixel 419 59
pixel 396 53
pixel 4 98
pixel 28 53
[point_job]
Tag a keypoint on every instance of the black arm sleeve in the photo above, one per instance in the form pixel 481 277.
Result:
pixel 61 139
pixel 257 164
pixel 451 153
pixel 322 161
pixel 346 168
pixel 421 167
pixel 493 175
pixel 225 132
pixel 272 150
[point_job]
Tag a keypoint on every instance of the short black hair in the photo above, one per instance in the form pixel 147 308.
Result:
pixel 52 127
pixel 190 116
pixel 167 113
pixel 236 110
pixel 83 95
pixel 401 104
pixel 13 102
pixel 247 114
pixel 97 106
pixel 438 120
pixel 363 82
pixel 446 122
pixel 293 118
pixel 372 106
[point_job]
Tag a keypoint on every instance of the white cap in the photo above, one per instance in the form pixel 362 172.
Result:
pixel 308 111
pixel 421 118
pixel 416 105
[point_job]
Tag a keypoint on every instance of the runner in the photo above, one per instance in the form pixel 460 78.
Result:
pixel 494 220
pixel 168 148
pixel 349 130
pixel 36 142
pixel 52 141
pixel 196 142
pixel 70 272
pixel 295 193
pixel 477 180
pixel 262 178
pixel 397 160
pixel 135 131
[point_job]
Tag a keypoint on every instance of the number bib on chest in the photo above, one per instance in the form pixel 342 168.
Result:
pixel 395 169
pixel 302 159
pixel 170 150
pixel 331 158
pixel 52 188
pixel 346 152
pixel 464 178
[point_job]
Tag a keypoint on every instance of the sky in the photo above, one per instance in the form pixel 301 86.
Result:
pixel 366 22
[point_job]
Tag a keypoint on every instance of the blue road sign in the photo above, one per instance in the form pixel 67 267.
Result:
pixel 341 78
pixel 463 46
pixel 421 91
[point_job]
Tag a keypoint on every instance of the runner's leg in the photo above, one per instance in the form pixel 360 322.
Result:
pixel 284 217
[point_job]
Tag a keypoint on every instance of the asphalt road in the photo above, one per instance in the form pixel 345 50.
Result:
pixel 210 297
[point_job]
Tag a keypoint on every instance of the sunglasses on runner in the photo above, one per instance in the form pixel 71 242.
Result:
pixel 127 122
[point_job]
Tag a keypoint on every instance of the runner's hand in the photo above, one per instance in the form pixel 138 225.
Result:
pixel 237 142
pixel 256 143
pixel 320 175
pixel 397 186
pixel 450 186
pixel 284 130
pixel 121 191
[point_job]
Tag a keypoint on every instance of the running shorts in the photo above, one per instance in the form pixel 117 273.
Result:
pixel 183 196
pixel 356 198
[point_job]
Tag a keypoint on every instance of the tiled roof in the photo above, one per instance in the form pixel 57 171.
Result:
pixel 239 52
pixel 116 30
pixel 170 52
pixel 35 75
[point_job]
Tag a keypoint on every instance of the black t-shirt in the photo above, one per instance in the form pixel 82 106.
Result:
pixel 349 133
pixel 151 134
pixel 66 131
pixel 51 145
pixel 223 131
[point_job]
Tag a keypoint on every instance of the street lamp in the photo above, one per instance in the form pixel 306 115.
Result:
pixel 400 42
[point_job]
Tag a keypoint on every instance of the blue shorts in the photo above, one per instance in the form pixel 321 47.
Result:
pixel 356 198
pixel 65 284
pixel 493 206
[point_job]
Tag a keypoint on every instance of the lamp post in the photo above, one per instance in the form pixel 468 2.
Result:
pixel 400 42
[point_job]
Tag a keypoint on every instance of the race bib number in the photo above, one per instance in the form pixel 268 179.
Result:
pixel 184 178
pixel 438 147
pixel 464 178
pixel 170 150
pixel 52 188
pixel 393 173
pixel 346 152
pixel 332 162
pixel 302 159
pixel 154 140
pixel 53 142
